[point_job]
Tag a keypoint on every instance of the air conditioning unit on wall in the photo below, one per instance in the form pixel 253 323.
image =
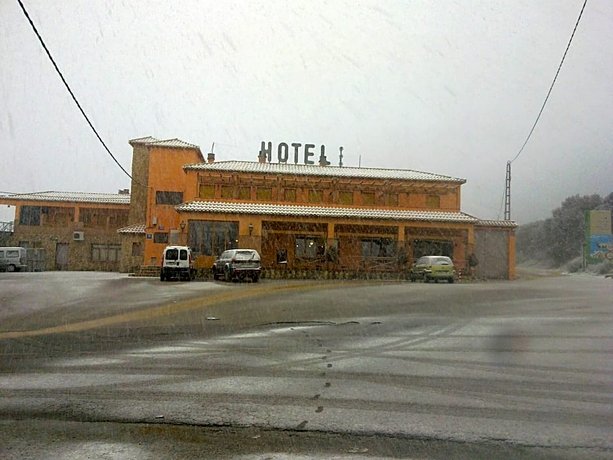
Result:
pixel 78 236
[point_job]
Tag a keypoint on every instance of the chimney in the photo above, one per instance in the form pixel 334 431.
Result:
pixel 210 157
pixel 265 152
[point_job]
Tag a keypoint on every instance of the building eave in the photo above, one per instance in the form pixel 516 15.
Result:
pixel 66 197
pixel 219 207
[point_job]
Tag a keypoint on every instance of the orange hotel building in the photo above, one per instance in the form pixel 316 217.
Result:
pixel 301 218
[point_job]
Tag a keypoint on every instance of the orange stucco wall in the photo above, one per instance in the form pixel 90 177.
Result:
pixel 406 194
pixel 165 173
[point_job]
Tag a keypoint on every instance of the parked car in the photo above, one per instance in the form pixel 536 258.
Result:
pixel 238 264
pixel 433 268
pixel 177 263
pixel 13 259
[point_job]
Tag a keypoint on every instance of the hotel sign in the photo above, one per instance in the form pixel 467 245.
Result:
pixel 294 152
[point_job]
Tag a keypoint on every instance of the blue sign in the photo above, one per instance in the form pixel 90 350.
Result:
pixel 601 247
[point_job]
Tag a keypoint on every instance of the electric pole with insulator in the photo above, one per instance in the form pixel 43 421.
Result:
pixel 507 194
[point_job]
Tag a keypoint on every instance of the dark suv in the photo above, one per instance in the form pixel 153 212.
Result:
pixel 237 264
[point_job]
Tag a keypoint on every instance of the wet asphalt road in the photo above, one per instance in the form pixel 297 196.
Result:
pixel 519 369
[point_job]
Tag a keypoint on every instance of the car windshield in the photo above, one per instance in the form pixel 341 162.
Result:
pixel 269 229
pixel 441 261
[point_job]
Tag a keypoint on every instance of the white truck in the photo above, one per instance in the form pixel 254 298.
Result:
pixel 177 263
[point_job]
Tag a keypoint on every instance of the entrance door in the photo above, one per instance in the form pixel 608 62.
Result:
pixel 61 256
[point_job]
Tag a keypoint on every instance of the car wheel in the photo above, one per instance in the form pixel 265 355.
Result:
pixel 451 280
pixel 255 278
pixel 227 274
pixel 10 268
pixel 436 280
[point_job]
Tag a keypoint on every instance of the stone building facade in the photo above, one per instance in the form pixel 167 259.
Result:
pixel 70 230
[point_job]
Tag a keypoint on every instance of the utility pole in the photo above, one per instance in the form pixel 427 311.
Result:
pixel 507 194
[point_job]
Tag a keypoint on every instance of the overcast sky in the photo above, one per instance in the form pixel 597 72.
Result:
pixel 449 87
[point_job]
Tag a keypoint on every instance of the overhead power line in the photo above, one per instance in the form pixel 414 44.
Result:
pixel 507 188
pixel 552 84
pixel 74 98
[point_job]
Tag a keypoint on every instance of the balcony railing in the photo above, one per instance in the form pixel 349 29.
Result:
pixel 6 227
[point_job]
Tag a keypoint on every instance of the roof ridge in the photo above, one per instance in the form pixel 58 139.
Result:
pixel 316 170
pixel 80 192
pixel 76 197
pixel 300 165
pixel 173 139
pixel 143 139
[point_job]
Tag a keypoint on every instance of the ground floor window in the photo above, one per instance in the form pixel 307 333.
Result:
pixel 211 238
pixel 378 247
pixel 106 252
pixel 309 247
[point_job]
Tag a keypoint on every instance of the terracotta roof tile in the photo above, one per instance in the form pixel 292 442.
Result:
pixel 133 229
pixel 177 143
pixel 496 223
pixel 323 171
pixel 73 197
pixel 322 211
pixel 142 140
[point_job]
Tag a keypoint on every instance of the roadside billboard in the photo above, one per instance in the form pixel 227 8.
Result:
pixel 599 222
pixel 598 237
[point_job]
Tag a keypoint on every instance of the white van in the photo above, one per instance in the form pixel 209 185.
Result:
pixel 13 259
pixel 177 263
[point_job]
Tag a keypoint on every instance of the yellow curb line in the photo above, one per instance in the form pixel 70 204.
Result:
pixel 164 310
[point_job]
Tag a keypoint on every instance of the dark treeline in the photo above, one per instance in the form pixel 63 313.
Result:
pixel 558 239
